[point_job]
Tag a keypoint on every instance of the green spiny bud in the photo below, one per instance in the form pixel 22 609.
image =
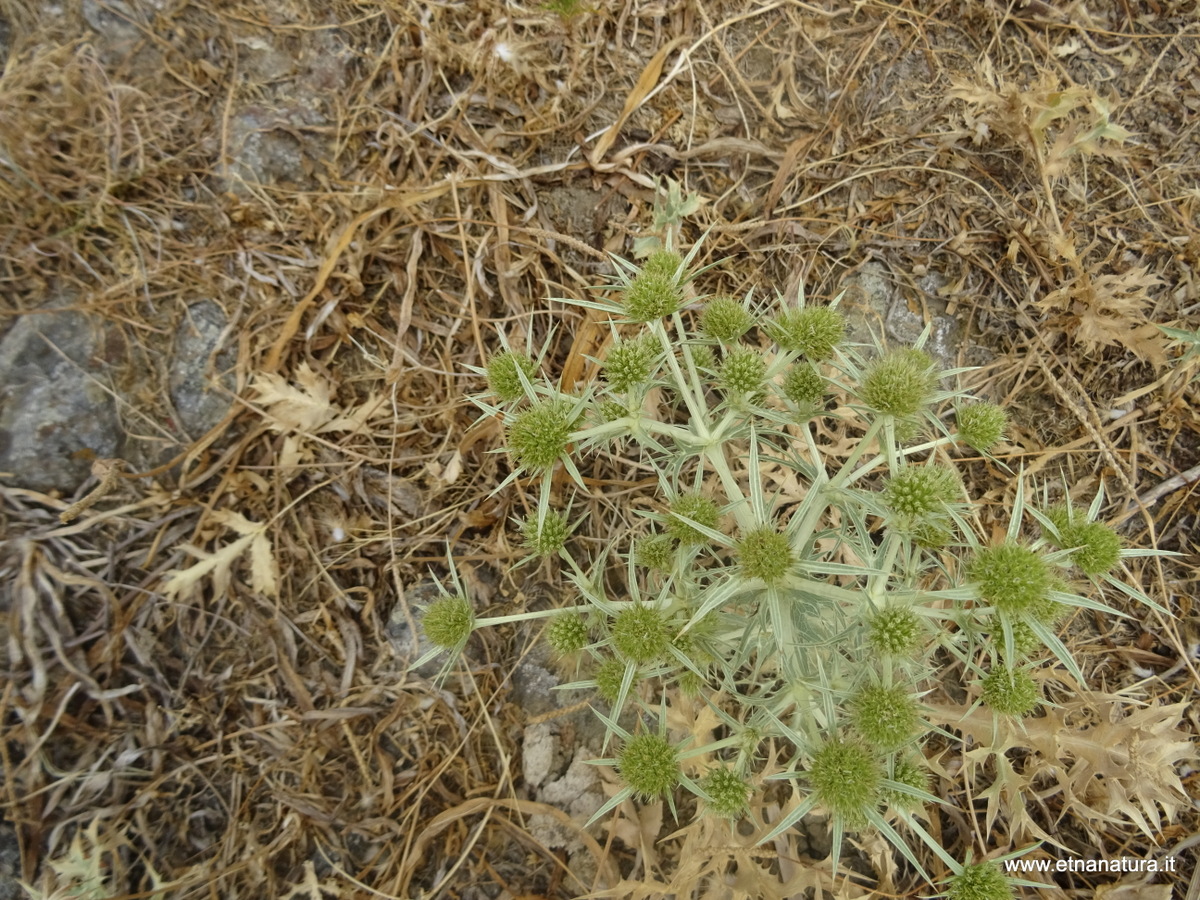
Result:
pixel 814 331
pixel 704 358
pixel 846 779
pixel 981 425
pixel 639 633
pixel 502 376
pixel 631 363
pixel 765 553
pixel 549 539
pixel 655 551
pixel 697 508
pixel 1010 577
pixel 609 676
pixel 1099 547
pixel 654 292
pixel 895 630
pixel 910 773
pixel 691 684
pixel 919 491
pixel 567 634
pixel 729 793
pixel 1025 639
pixel 743 371
pixel 448 622
pixel 538 436
pixel 725 319
pixel 980 881
pixel 885 717
pixel 804 386
pixel 899 383
pixel 649 765
pixel 1010 692
pixel 611 410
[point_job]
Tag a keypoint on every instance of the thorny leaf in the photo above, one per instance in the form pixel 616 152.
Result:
pixel 1110 311
pixel 309 406
pixel 264 570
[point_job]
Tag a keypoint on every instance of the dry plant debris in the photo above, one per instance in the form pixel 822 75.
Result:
pixel 201 694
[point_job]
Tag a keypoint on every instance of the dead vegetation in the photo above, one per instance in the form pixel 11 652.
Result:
pixel 203 694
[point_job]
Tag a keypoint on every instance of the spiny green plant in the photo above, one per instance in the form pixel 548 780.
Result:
pixel 815 621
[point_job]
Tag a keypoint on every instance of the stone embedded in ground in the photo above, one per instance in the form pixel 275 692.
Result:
pixel 200 382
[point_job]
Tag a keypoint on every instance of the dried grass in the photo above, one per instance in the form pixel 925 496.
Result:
pixel 202 697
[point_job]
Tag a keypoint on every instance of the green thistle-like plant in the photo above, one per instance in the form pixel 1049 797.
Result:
pixel 698 508
pixel 639 633
pixel 567 634
pixel 502 377
pixel 1011 692
pixel 896 631
pixel 979 881
pixel 900 383
pixel 654 292
pixel 538 436
pixel 920 491
pixel 448 622
pixel 814 331
pixel 630 364
pixel 725 320
pixel 609 676
pixel 846 778
pixel 655 551
pixel 804 386
pixel 1010 577
pixel 1098 547
pixel 910 773
pixel 765 553
pixel 981 425
pixel 550 537
pixel 743 371
pixel 649 765
pixel 729 792
pixel 885 717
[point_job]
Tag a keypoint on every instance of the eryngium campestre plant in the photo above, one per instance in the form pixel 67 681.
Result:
pixel 807 593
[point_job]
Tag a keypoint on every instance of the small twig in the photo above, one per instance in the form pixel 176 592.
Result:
pixel 109 473
pixel 1171 484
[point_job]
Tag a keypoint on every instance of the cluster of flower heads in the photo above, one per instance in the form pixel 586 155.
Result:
pixel 729 593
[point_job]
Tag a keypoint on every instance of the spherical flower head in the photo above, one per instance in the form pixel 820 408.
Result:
pixel 846 778
pixel 1010 692
pixel 550 537
pixel 899 383
pixel 981 425
pixel 743 371
pixel 885 717
pixel 704 358
pixel 725 319
pixel 910 773
pixel 567 634
pixel 609 676
pixel 691 684
pixel 655 551
pixel 920 491
pixel 538 436
pixel 1025 639
pixel 729 793
pixel 814 331
pixel 1099 546
pixel 698 508
pixel 649 765
pixel 765 553
pixel 502 377
pixel 979 881
pixel 654 292
pixel 895 631
pixel 804 386
pixel 448 622
pixel 611 410
pixel 639 633
pixel 1010 577
pixel 630 363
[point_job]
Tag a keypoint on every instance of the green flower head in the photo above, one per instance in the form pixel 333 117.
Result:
pixel 1010 577
pixel 655 551
pixel 900 383
pixel 1010 692
pixel 502 376
pixel 448 622
pixel 631 363
pixel 743 371
pixel 765 553
pixel 979 881
pixel 910 773
pixel 649 765
pixel 1098 546
pixel 730 794
pixel 654 292
pixel 896 631
pixel 698 508
pixel 550 538
pixel 981 425
pixel 567 634
pixel 804 386
pixel 725 319
pixel 814 331
pixel 920 491
pixel 846 778
pixel 639 633
pixel 609 676
pixel 885 717
pixel 538 436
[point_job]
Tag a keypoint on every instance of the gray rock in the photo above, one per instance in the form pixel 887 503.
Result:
pixel 55 406
pixel 874 303
pixel 200 375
